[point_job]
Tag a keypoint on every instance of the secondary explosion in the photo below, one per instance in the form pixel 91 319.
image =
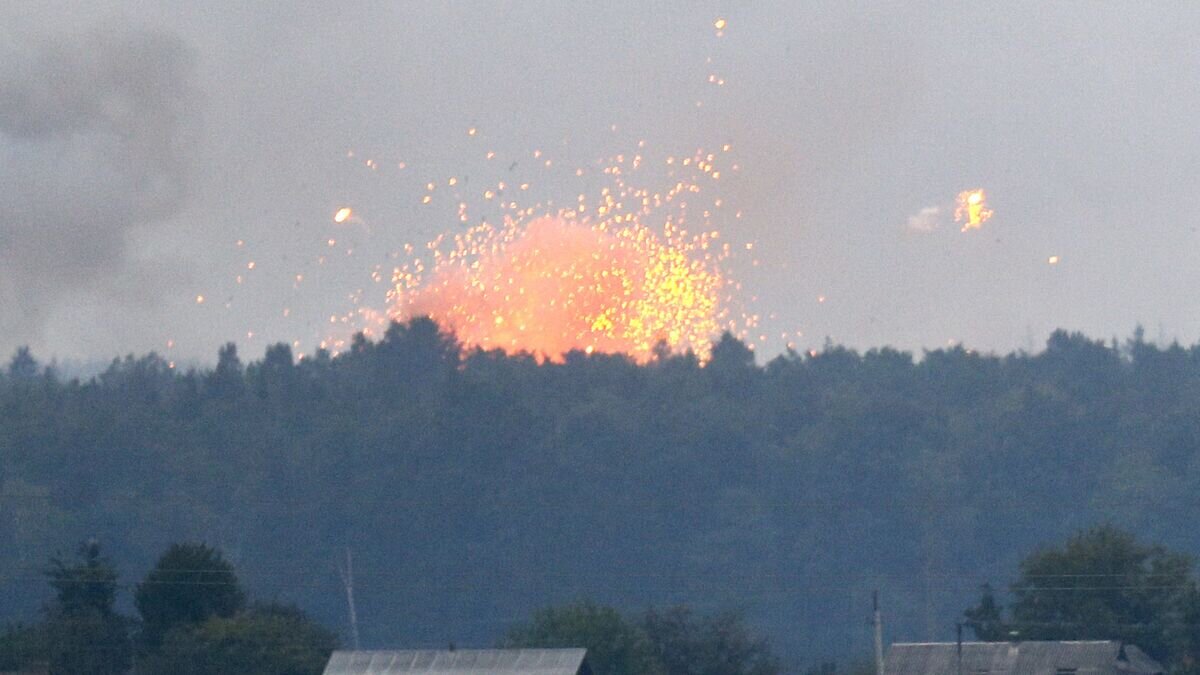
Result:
pixel 971 209
pixel 557 284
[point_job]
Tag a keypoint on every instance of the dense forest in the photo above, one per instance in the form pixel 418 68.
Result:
pixel 473 487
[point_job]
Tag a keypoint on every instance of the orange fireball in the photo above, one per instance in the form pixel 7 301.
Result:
pixel 553 285
pixel 972 210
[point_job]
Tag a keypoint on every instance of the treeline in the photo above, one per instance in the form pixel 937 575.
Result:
pixel 1102 584
pixel 473 488
pixel 672 641
pixel 192 619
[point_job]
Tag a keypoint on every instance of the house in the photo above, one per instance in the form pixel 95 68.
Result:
pixel 1084 657
pixel 460 662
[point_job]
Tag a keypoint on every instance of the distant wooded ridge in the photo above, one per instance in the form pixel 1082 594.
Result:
pixel 476 487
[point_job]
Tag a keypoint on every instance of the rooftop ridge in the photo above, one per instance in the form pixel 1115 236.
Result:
pixel 1010 642
pixel 530 661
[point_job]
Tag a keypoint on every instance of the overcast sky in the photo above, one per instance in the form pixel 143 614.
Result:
pixel 140 141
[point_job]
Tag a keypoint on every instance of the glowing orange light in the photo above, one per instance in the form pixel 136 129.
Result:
pixel 551 286
pixel 971 209
pixel 343 214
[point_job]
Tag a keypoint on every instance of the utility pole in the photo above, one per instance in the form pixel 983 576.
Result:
pixel 959 628
pixel 347 574
pixel 877 622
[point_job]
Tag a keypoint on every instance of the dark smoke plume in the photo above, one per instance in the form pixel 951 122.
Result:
pixel 94 131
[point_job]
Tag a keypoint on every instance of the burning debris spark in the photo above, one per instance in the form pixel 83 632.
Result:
pixel 551 286
pixel 619 270
pixel 343 214
pixel 972 210
pixel 1052 260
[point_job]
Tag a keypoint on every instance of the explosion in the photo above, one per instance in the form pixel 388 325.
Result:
pixel 557 284
pixel 550 252
pixel 972 210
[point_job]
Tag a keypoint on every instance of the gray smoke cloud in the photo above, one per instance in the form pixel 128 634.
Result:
pixel 94 135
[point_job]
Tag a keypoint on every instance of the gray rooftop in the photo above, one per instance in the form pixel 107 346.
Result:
pixel 1085 657
pixel 458 662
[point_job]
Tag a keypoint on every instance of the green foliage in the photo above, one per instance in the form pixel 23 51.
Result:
pixel 192 607
pixel 792 488
pixel 23 366
pixel 987 618
pixel 189 584
pixel 22 646
pixel 615 646
pixel 264 640
pixel 714 645
pixel 667 642
pixel 1101 584
pixel 88 584
pixel 88 642
pixel 831 668
pixel 83 631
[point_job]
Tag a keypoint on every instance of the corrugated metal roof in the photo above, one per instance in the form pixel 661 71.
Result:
pixel 457 662
pixel 1139 661
pixel 1091 657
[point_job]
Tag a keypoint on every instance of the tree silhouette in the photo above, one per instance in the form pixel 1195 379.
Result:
pixel 190 584
pixel 85 634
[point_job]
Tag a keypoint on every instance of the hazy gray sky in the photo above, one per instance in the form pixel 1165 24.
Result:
pixel 139 141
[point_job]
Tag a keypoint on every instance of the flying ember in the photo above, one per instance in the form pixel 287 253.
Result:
pixel 616 254
pixel 555 284
pixel 972 210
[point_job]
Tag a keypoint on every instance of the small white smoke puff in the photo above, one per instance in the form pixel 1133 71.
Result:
pixel 925 220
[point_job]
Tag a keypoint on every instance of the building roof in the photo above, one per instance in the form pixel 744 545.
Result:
pixel 459 662
pixel 1090 657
